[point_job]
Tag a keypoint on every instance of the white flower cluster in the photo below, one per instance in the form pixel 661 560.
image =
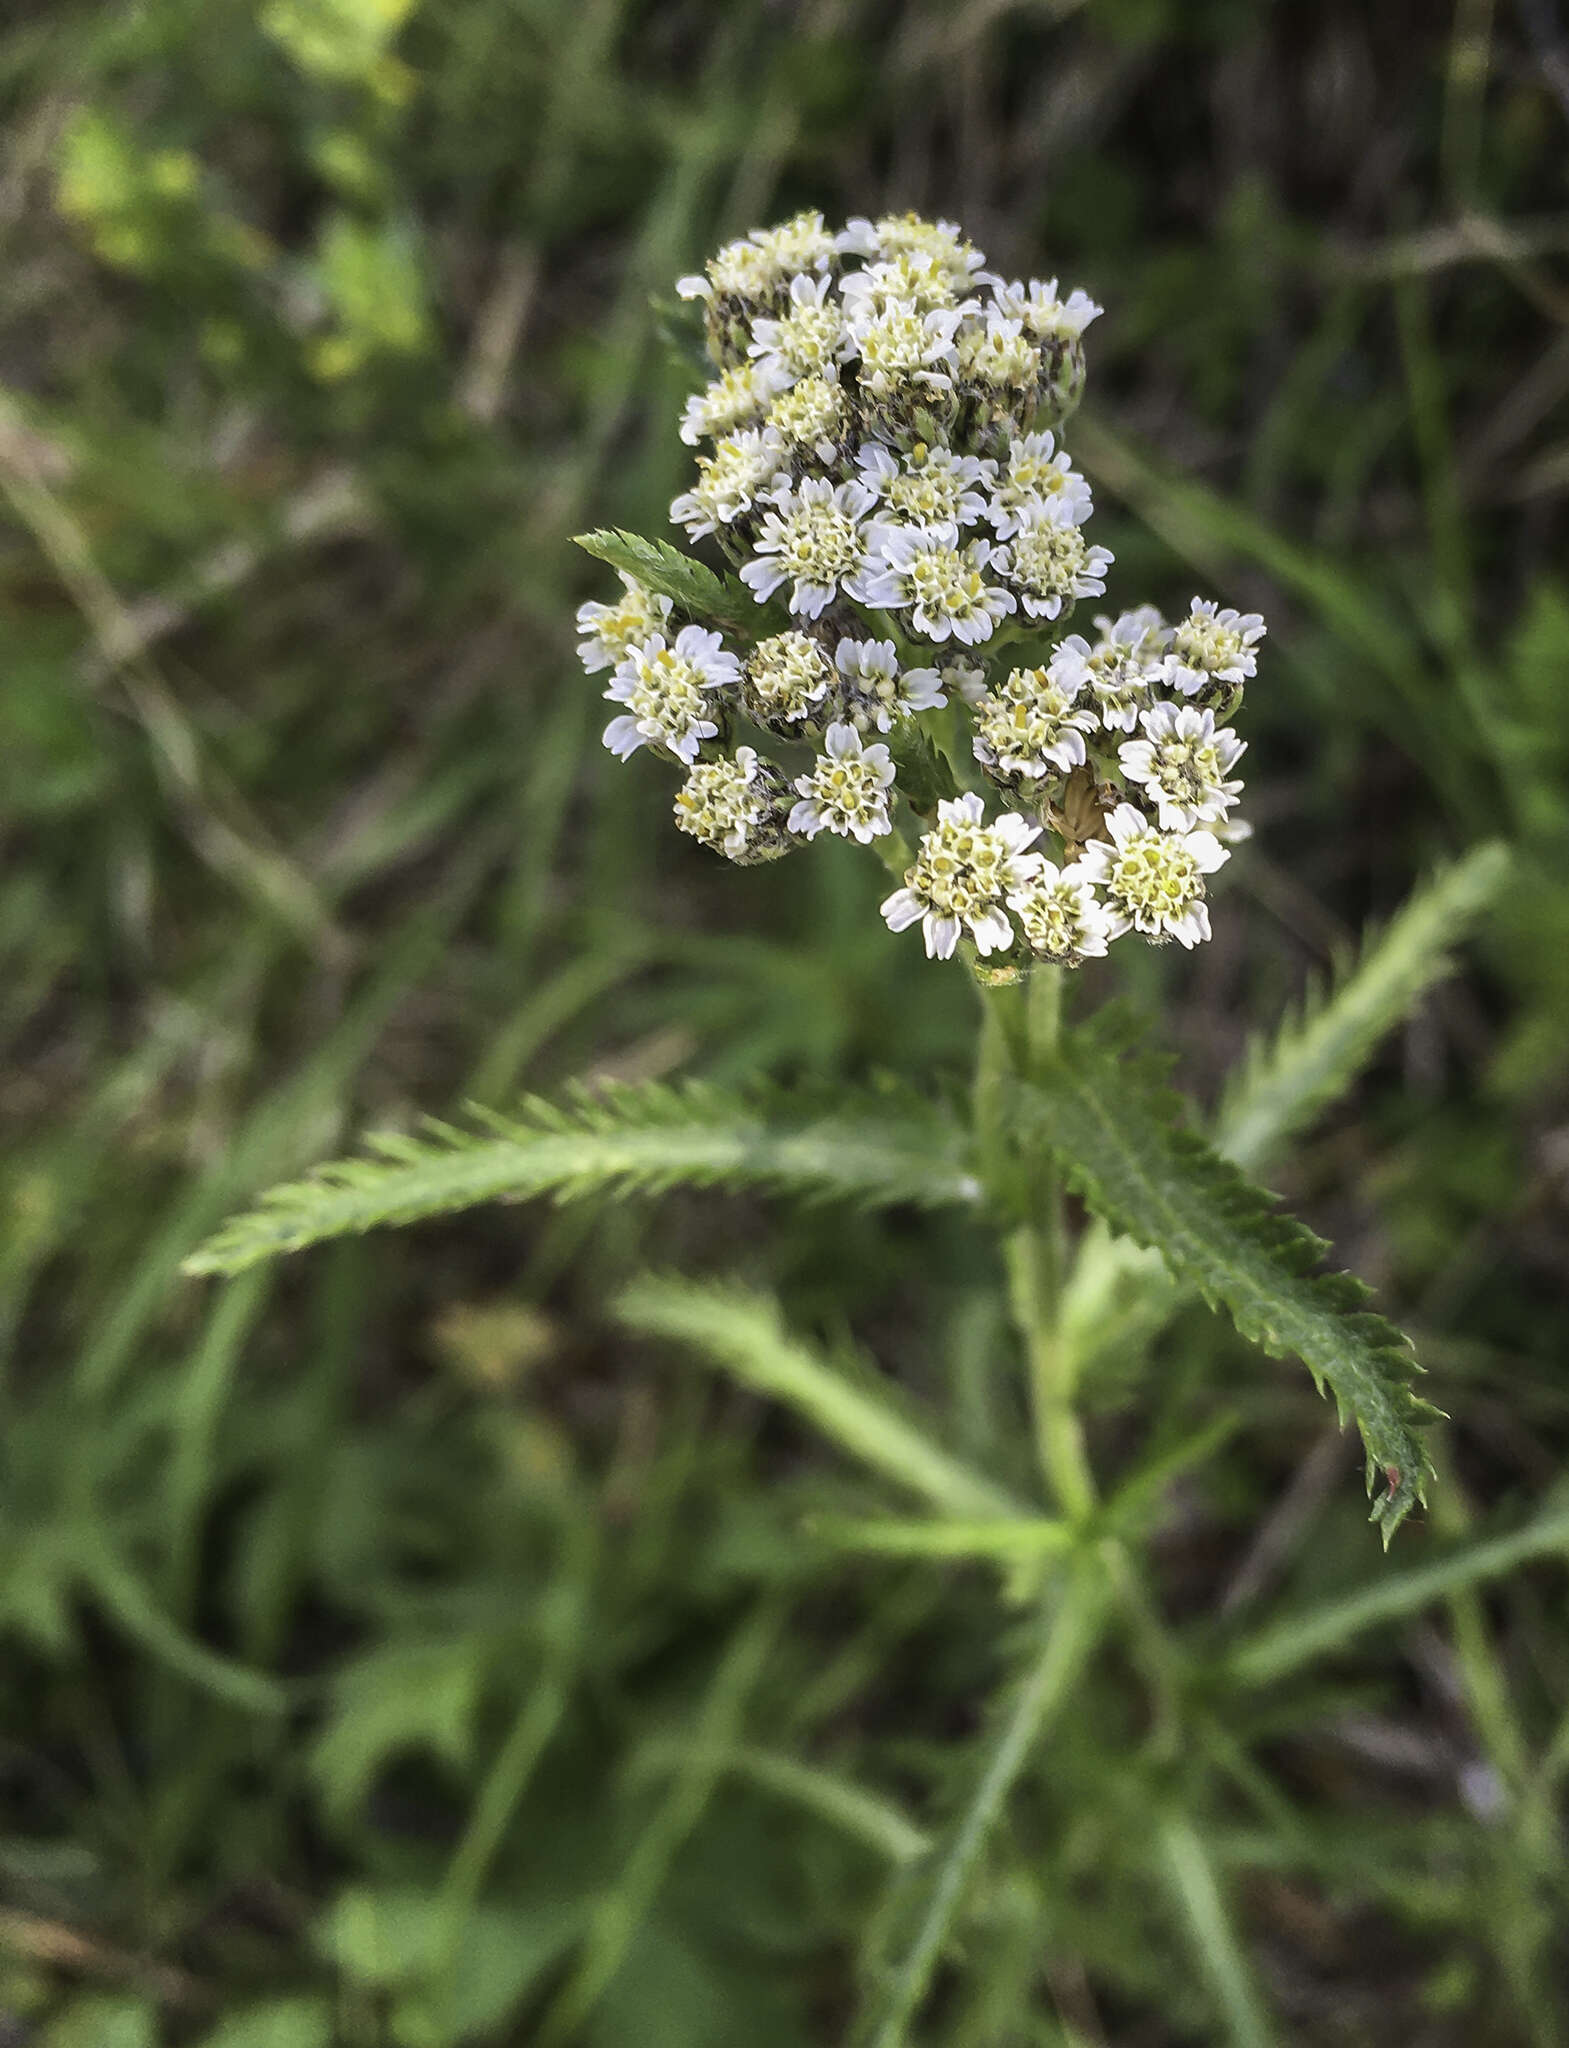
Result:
pixel 880 463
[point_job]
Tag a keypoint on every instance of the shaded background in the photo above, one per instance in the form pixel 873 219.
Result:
pixel 323 325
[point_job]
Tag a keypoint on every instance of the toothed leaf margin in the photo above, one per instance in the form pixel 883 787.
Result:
pixel 1323 1042
pixel 1105 1116
pixel 691 585
pixel 885 1147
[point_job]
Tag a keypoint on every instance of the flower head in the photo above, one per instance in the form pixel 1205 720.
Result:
pixel 1119 669
pixel 1182 763
pixel 1213 646
pixel 743 467
pixel 944 584
pixel 738 397
pixel 1056 326
pixel 874 691
pixel 882 437
pixel 800 243
pixel 1029 726
pixel 1049 562
pixel 1037 472
pixel 1142 631
pixel 813 539
pixel 900 346
pixel 847 792
pixel 664 689
pixel 1060 916
pixel 740 270
pixel 611 631
pixel 907 234
pixel 915 277
pixel 1042 314
pixel 753 267
pixel 999 354
pixel 807 338
pixel 964 872
pixel 929 486
pixel 735 806
pixel 813 415
pixel 787 678
pixel 1153 880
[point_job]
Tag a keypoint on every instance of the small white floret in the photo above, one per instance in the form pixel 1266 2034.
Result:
pixel 875 691
pixel 1037 472
pixel 1043 314
pixel 929 486
pixel 664 688
pixel 1211 645
pixel 814 539
pixel 1060 915
pixel 963 874
pixel 738 397
pixel 948 588
pixel 610 631
pixel 1153 880
pixel 1030 726
pixel 1183 764
pixel 1049 562
pixel 847 792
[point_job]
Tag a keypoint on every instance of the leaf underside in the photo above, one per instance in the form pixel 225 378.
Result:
pixel 1107 1120
pixel 880 1149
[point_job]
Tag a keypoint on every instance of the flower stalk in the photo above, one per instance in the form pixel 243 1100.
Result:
pixel 1021 1029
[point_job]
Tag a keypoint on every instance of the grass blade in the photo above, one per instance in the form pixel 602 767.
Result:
pixel 1070 1638
pixel 1289 1644
pixel 863 1816
pixel 1003 1542
pixel 1192 1877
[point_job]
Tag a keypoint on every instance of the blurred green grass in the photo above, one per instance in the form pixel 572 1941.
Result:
pixel 395 1650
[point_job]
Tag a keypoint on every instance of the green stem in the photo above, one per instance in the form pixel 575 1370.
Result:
pixel 1021 1031
pixel 1070 1637
pixel 510 1776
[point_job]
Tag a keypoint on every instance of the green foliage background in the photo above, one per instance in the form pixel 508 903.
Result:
pixel 427 1641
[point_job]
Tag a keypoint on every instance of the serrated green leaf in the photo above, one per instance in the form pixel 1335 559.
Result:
pixel 1110 1125
pixel 692 585
pixel 1324 1042
pixel 877 1149
pixel 1119 1294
